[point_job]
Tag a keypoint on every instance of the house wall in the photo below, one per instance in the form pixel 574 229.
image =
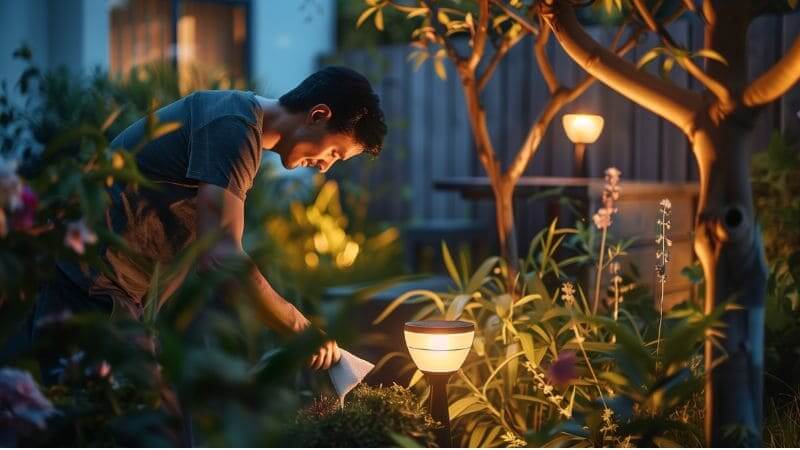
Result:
pixel 22 22
pixel 288 38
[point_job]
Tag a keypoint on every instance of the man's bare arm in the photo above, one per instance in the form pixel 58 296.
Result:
pixel 220 211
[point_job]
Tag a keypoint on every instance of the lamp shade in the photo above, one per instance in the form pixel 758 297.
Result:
pixel 439 346
pixel 583 128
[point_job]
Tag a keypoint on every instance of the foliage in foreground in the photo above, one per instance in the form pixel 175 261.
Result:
pixel 116 386
pixel 371 417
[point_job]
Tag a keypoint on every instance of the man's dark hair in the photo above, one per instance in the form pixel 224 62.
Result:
pixel 355 106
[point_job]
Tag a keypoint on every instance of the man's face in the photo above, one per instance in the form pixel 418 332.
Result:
pixel 313 145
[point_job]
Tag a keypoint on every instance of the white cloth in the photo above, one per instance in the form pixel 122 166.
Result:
pixel 348 373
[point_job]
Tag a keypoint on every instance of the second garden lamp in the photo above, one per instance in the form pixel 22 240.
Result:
pixel 438 348
pixel 582 129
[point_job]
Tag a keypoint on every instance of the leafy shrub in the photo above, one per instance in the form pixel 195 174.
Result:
pixel 545 371
pixel 776 194
pixel 111 391
pixel 371 417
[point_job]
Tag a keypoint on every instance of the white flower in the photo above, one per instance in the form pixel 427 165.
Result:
pixel 78 235
pixel 568 293
pixel 662 239
pixel 513 441
pixel 21 399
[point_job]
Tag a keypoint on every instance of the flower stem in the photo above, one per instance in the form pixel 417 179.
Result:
pixel 599 272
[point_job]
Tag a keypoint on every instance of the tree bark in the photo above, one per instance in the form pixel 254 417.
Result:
pixel 728 243
pixel 506 230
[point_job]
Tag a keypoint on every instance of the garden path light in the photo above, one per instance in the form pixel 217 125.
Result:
pixel 439 348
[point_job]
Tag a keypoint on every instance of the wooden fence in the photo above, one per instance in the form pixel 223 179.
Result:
pixel 429 135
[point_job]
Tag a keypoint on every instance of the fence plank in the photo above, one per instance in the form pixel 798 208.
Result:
pixel 437 146
pixel 646 127
pixel 418 125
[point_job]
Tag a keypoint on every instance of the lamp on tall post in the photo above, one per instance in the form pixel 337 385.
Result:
pixel 439 348
pixel 582 129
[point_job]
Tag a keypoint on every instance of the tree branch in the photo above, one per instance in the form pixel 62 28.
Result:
pixel 505 46
pixel 673 103
pixel 559 99
pixel 776 81
pixel 716 87
pixel 540 52
pixel 481 32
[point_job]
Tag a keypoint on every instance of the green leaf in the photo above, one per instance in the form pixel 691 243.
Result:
pixel 649 56
pixel 403 441
pixel 365 15
pixel 456 307
pixel 438 65
pixel 410 294
pixel 151 308
pixel 415 378
pixel 665 443
pixel 481 273
pixel 711 54
pixel 487 442
pixel 450 265
pixel 666 66
pixel 477 435
pixel 460 405
pixel 528 346
pixel 502 304
pixel 111 118
pixel 613 377
pixel 165 128
pixel 379 20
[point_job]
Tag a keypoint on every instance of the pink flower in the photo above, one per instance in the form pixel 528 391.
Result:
pixel 602 219
pixel 562 370
pixel 104 369
pixel 10 185
pixel 21 399
pixel 78 235
pixel 22 218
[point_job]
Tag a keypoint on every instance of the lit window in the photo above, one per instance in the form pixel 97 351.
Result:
pixel 207 42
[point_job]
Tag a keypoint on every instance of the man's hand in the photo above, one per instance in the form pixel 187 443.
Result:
pixel 325 357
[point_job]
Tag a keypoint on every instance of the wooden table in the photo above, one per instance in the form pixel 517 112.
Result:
pixel 481 188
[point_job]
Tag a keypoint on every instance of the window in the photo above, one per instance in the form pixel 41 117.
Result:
pixel 205 40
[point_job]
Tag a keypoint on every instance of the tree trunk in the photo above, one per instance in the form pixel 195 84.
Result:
pixel 506 231
pixel 728 244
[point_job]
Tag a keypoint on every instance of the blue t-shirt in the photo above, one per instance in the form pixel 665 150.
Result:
pixel 219 143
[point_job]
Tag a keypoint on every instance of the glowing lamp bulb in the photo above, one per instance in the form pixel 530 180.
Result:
pixel 439 346
pixel 583 128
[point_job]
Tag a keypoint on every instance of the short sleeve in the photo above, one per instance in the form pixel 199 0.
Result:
pixel 226 153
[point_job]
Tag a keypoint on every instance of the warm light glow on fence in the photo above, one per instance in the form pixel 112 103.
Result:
pixel 439 346
pixel 583 128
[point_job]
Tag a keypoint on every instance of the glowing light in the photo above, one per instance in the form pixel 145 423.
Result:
pixel 583 128
pixel 321 243
pixel 439 346
pixel 312 260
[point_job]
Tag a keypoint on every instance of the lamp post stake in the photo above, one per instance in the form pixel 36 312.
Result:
pixel 439 407
pixel 580 161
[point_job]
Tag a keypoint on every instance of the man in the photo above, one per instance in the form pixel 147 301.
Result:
pixel 203 171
